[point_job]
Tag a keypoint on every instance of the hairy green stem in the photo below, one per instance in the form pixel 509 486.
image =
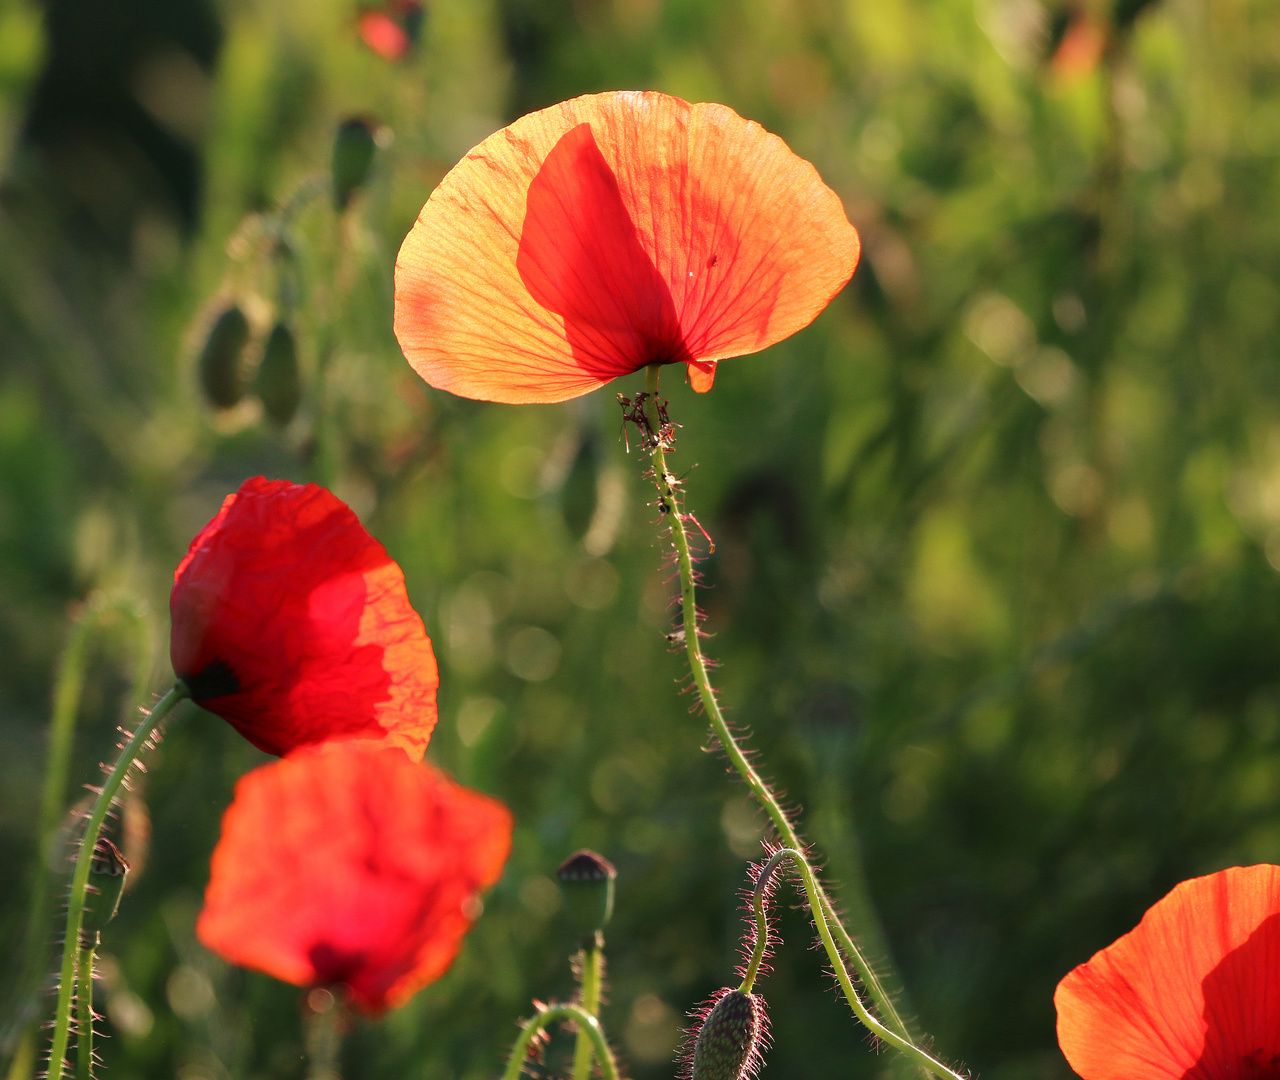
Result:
pixel 670 506
pixel 762 920
pixel 80 876
pixel 68 689
pixel 578 1015
pixel 902 1045
pixel 592 964
pixel 84 1008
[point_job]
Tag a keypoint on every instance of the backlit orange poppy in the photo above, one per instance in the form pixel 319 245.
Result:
pixel 350 866
pixel 292 623
pixel 1193 991
pixel 610 232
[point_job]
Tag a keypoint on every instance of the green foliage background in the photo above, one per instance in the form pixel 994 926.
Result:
pixel 997 538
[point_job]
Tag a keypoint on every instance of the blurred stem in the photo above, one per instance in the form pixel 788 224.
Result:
pixel 323 1036
pixel 68 689
pixel 585 1021
pixel 80 876
pixel 904 1046
pixel 670 505
pixel 592 965
pixel 84 1007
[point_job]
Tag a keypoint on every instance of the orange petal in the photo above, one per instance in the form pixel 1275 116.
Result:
pixel 701 376
pixel 1193 991
pixel 612 231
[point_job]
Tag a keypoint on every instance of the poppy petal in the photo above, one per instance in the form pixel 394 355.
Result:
pixel 292 623
pixel 1193 991
pixel 609 232
pixel 351 865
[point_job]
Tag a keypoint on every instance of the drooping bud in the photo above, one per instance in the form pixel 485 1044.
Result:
pixel 587 883
pixel 354 145
pixel 222 358
pixel 107 872
pixel 728 1046
pixel 279 384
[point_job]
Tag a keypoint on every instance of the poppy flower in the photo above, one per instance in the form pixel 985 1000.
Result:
pixel 611 232
pixel 350 865
pixel 292 623
pixel 1193 991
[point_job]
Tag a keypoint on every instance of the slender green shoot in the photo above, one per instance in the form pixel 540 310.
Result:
pixel 550 1015
pixel 592 958
pixel 80 876
pixel 669 502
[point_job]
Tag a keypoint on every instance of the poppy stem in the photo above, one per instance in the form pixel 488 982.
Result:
pixel 84 1008
pixel 758 905
pixel 813 892
pixel 578 1015
pixel 669 503
pixel 95 615
pixel 592 957
pixel 80 876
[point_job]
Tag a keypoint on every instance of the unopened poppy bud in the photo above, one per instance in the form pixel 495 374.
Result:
pixel 107 872
pixel 729 1042
pixel 279 384
pixel 587 882
pixel 353 150
pixel 222 358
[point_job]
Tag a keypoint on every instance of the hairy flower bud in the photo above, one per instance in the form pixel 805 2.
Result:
pixel 733 1034
pixel 279 384
pixel 354 146
pixel 222 358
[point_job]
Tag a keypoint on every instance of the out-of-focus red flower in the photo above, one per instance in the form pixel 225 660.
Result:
pixel 610 232
pixel 1193 991
pixel 292 623
pixel 1082 46
pixel 348 865
pixel 392 31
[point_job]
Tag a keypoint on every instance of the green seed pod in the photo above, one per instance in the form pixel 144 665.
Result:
pixel 586 880
pixel 107 872
pixel 222 358
pixel 733 1034
pixel 279 382
pixel 353 149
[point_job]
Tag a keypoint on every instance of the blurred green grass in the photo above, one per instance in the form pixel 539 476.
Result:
pixel 995 584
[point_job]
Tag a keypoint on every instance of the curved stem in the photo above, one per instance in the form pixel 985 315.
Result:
pixel 698 666
pixel 592 964
pixel 585 1021
pixel 762 919
pixel 904 1046
pixel 80 876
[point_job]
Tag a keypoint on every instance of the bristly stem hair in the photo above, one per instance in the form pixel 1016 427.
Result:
pixel 657 438
pixel 80 876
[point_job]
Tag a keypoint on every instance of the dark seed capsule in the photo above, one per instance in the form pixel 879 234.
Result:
pixel 279 383
pixel 353 150
pixel 728 1044
pixel 586 880
pixel 222 359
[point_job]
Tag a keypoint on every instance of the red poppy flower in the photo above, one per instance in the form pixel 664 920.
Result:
pixel 1193 992
pixel 292 623
pixel 349 865
pixel 610 232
